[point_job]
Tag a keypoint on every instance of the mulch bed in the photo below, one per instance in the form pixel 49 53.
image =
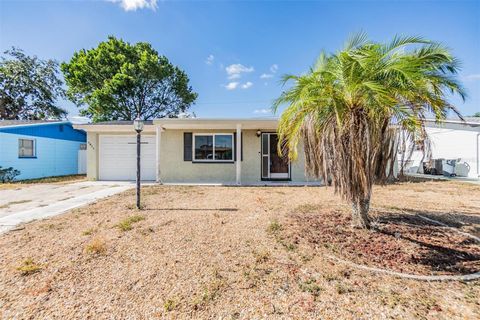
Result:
pixel 399 242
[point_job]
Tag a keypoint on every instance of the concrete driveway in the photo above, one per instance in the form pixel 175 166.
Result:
pixel 38 201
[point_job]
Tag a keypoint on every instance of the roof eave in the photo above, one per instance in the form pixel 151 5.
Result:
pixel 34 124
pixel 195 123
pixel 112 128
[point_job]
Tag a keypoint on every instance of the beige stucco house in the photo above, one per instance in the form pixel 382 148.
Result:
pixel 224 151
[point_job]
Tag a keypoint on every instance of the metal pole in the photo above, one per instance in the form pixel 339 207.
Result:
pixel 138 169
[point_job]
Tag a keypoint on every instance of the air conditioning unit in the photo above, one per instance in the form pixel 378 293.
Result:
pixel 438 166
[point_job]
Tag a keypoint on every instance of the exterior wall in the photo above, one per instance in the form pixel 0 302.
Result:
pixel 56 149
pixel 92 156
pixel 453 141
pixel 54 157
pixel 173 169
pixel 93 151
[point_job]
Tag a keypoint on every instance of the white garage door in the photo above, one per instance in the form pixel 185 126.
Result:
pixel 118 158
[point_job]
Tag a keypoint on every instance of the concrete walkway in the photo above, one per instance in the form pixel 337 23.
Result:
pixel 45 200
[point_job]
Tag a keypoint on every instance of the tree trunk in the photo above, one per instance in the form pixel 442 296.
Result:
pixel 360 218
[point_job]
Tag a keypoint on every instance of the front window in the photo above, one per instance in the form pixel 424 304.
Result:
pixel 26 148
pixel 213 147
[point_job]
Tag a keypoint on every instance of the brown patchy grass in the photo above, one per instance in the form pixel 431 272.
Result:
pixel 28 267
pixel 96 246
pixel 223 252
pixel 399 241
pixel 49 180
pixel 127 223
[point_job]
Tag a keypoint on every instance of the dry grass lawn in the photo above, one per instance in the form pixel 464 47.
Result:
pixel 49 180
pixel 220 253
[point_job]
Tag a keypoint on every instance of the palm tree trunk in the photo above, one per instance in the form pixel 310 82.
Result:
pixel 360 218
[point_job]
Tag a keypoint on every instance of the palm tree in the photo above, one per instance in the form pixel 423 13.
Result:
pixel 352 108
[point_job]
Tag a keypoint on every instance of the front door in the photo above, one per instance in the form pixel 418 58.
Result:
pixel 274 166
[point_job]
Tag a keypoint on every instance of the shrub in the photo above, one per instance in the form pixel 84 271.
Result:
pixel 8 174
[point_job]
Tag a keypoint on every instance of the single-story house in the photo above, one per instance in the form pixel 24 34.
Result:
pixel 41 148
pixel 191 150
pixel 452 140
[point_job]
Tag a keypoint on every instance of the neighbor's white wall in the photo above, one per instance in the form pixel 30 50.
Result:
pixel 453 142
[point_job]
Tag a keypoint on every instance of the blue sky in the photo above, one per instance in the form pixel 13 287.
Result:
pixel 234 52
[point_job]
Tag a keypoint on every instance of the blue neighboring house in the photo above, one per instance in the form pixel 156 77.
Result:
pixel 40 148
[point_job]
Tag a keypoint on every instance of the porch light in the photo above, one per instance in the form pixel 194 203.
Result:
pixel 138 125
pixel 259 133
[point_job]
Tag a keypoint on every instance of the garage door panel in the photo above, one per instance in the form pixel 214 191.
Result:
pixel 118 158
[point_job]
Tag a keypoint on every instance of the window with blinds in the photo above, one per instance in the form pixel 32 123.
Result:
pixel 26 148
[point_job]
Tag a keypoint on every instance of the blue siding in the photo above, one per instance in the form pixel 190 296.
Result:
pixel 56 151
pixel 63 131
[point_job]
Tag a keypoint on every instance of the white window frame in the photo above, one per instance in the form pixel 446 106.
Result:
pixel 213 140
pixel 34 146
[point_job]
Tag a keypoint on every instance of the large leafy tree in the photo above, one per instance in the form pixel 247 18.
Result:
pixel 29 87
pixel 351 108
pixel 120 81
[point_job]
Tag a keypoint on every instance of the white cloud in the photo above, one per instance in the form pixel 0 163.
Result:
pixel 266 76
pixel 232 85
pixel 234 71
pixel 247 85
pixel 273 70
pixel 262 111
pixel 133 5
pixel 234 76
pixel 473 77
pixel 210 59
pixel 236 85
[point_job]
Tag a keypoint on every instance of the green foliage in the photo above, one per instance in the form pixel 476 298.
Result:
pixel 8 174
pixel 353 109
pixel 29 87
pixel 120 81
pixel 477 114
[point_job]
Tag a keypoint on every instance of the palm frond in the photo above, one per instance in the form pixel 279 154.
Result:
pixel 356 40
pixel 355 108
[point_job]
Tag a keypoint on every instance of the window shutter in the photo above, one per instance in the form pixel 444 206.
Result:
pixel 235 148
pixel 187 146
